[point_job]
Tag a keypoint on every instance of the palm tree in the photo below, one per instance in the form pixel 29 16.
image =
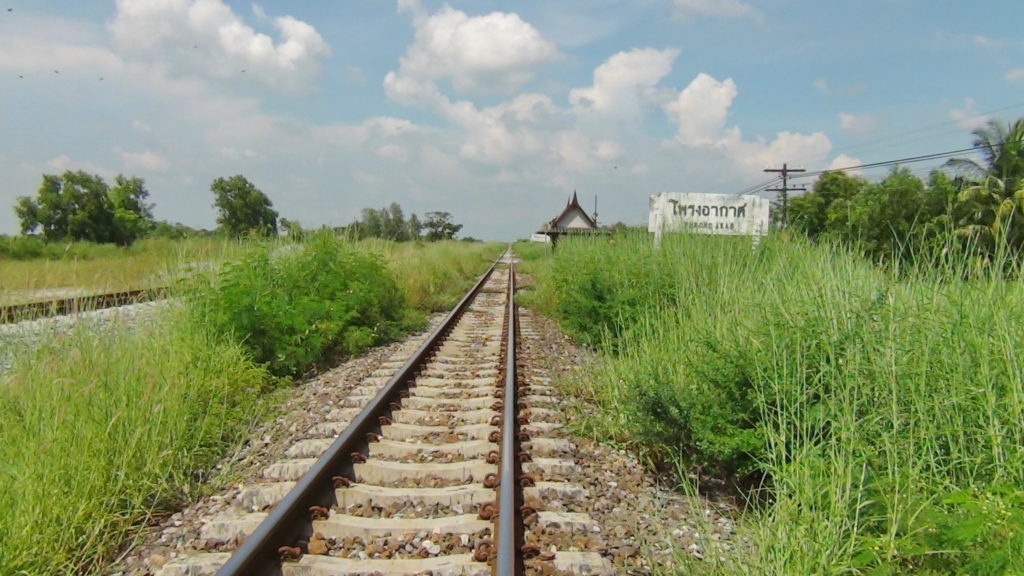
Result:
pixel 991 200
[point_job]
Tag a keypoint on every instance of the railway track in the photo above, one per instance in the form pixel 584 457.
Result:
pixel 440 463
pixel 13 313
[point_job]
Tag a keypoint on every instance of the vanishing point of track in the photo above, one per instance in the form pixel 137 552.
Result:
pixel 440 472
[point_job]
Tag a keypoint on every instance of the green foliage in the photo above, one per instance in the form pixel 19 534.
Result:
pixel 294 305
pixel 120 421
pixel 439 226
pixel 387 223
pixel 242 209
pixel 895 219
pixel 883 410
pixel 80 206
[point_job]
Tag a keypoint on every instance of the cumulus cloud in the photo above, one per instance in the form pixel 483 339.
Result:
pixel 624 81
pixel 701 108
pixel 863 124
pixel 843 161
pixel 821 85
pixel 718 8
pixel 496 51
pixel 968 117
pixel 700 112
pixel 145 160
pixel 1016 75
pixel 206 36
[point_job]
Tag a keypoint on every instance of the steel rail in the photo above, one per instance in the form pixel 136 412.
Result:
pixel 508 530
pixel 12 313
pixel 289 523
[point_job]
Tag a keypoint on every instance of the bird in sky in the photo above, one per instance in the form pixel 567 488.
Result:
pixel 10 9
pixel 56 71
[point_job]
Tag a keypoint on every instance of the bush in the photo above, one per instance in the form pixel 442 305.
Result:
pixel 293 305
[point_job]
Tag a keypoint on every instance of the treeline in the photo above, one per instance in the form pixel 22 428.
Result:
pixel 980 204
pixel 390 223
pixel 78 206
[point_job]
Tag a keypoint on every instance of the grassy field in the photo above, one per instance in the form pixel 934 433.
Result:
pixel 875 420
pixel 106 427
pixel 90 269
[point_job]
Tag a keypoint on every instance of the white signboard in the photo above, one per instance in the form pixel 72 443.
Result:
pixel 540 238
pixel 708 214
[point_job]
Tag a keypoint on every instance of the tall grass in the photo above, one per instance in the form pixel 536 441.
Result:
pixel 882 414
pixel 103 427
pixel 435 275
pixel 77 268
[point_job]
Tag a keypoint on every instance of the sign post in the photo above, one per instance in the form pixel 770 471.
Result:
pixel 723 214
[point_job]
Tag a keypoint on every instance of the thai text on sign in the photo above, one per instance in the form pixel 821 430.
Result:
pixel 709 214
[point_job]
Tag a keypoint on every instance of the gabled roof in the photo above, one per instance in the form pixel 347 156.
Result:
pixel 572 209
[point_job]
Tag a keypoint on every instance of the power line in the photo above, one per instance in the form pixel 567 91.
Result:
pixel 907 160
pixel 898 161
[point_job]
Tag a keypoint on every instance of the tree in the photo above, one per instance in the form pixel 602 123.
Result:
pixel 415 227
pixel 991 200
pixel 133 218
pixel 810 212
pixel 80 206
pixel 393 223
pixel 440 227
pixel 242 208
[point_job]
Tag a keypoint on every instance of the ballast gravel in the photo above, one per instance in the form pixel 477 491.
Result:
pixel 640 525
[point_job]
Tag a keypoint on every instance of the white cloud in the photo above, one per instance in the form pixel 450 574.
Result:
pixel 496 51
pixel 700 110
pixel 717 8
pixel 63 162
pixel 206 36
pixel 1015 75
pixel 822 85
pixel 624 81
pixel 968 117
pixel 843 161
pixel 145 160
pixel 863 124
pixel 794 149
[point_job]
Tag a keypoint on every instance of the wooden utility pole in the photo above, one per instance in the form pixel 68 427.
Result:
pixel 784 189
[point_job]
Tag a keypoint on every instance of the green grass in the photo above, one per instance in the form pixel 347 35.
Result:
pixel 83 268
pixel 104 429
pixel 880 416
pixel 435 275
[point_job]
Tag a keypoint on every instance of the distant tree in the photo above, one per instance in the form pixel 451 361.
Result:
pixel 439 226
pixel 394 226
pixel 133 218
pixel 242 208
pixel 415 227
pixel 80 206
pixel 370 225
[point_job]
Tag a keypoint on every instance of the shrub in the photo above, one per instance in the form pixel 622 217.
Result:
pixel 293 305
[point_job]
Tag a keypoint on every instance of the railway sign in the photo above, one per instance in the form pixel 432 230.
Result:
pixel 708 214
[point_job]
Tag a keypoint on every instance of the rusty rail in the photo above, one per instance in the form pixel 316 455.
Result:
pixel 12 313
pixel 289 522
pixel 509 525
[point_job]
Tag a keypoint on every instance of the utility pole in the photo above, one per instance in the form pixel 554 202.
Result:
pixel 784 190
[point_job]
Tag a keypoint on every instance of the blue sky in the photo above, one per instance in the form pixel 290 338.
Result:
pixel 492 111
